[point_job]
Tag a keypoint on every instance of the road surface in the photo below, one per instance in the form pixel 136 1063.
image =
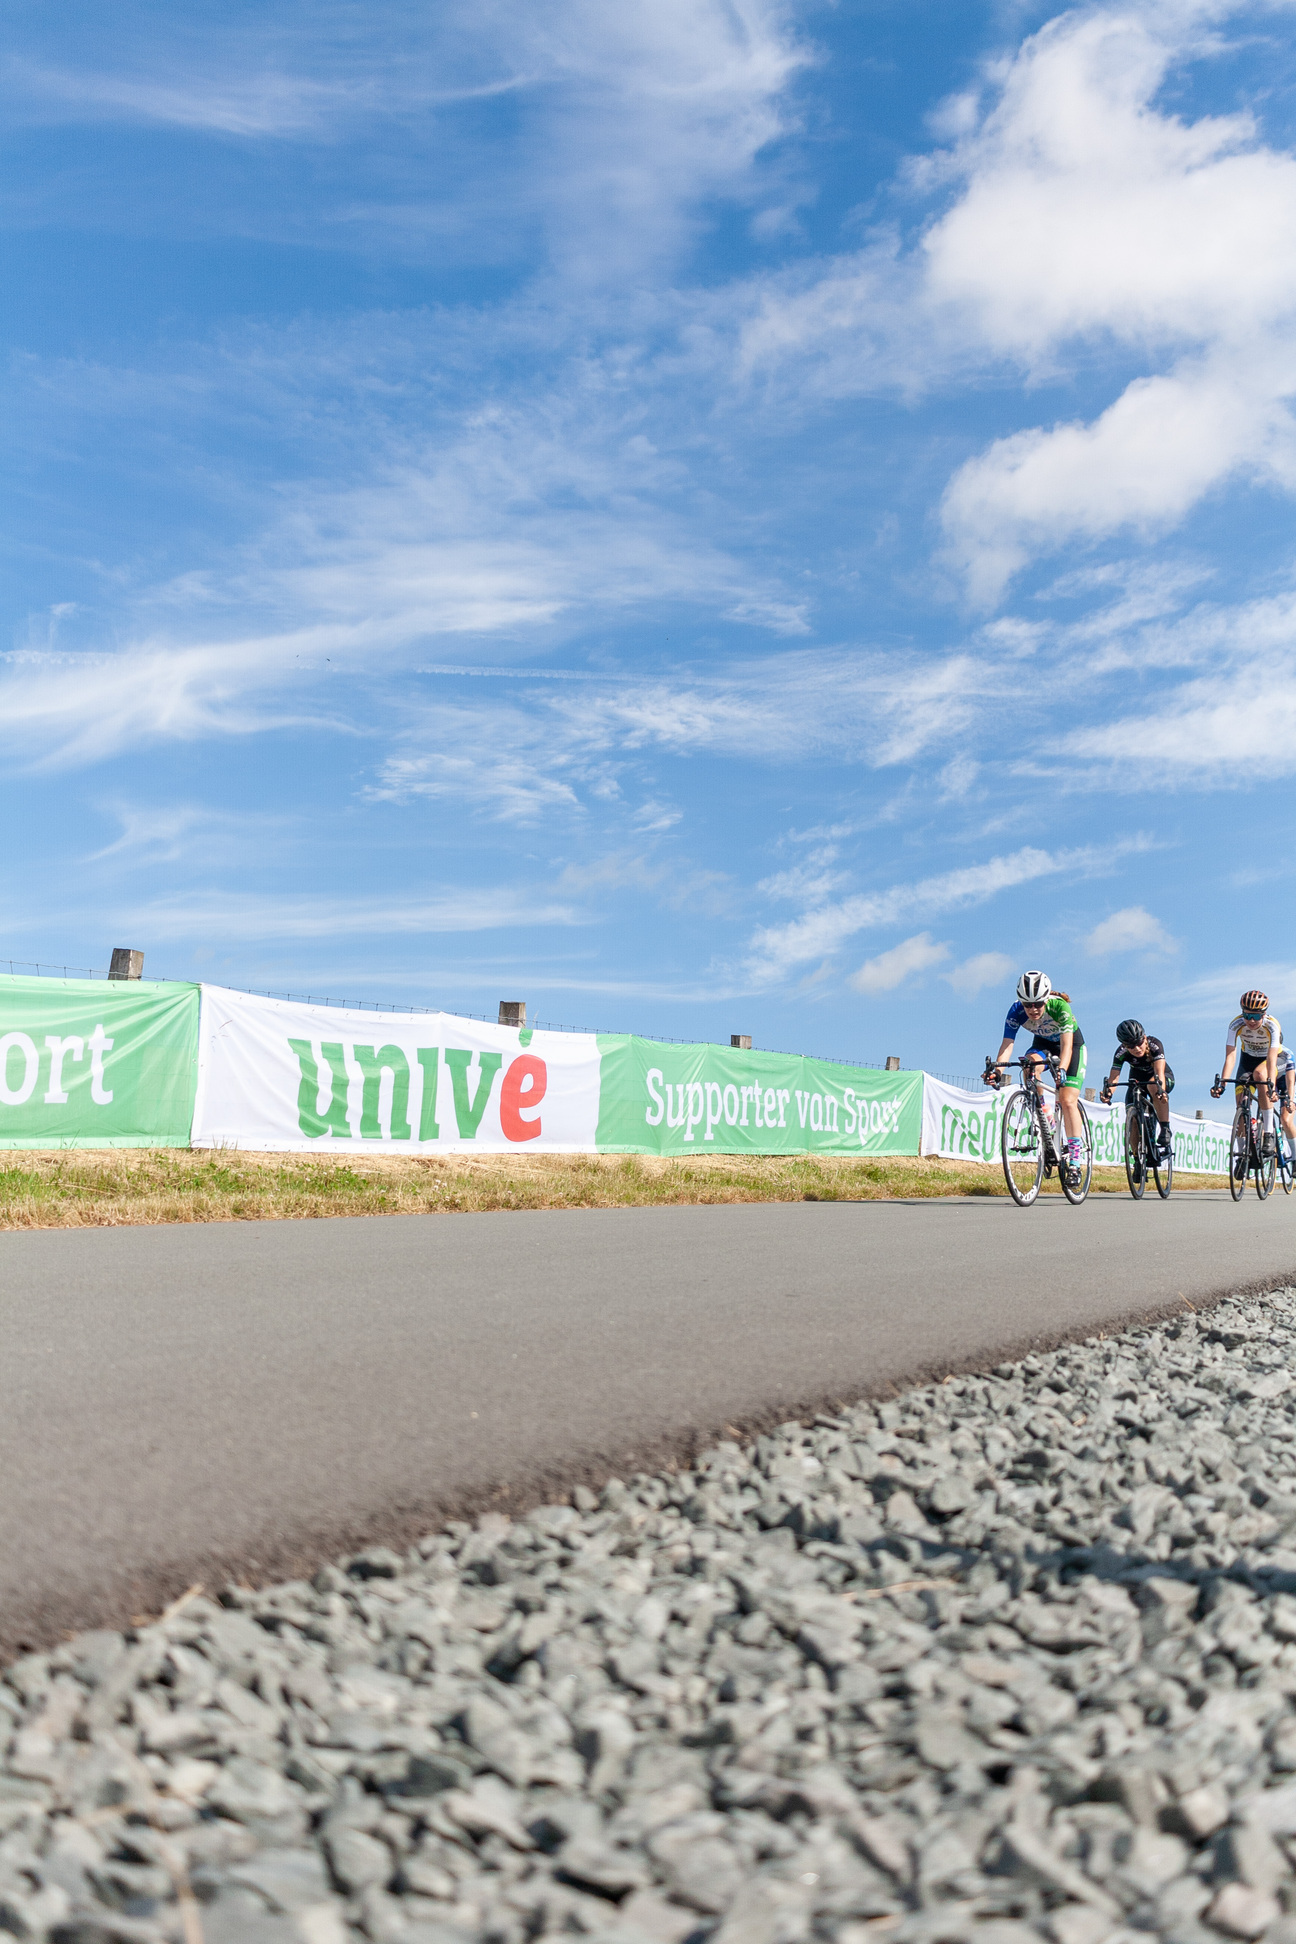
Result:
pixel 203 1401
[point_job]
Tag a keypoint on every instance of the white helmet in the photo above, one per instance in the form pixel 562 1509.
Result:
pixel 1034 986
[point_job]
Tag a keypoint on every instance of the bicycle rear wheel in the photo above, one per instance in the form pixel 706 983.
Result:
pixel 1135 1157
pixel 1075 1195
pixel 1022 1147
pixel 1163 1170
pixel 1239 1152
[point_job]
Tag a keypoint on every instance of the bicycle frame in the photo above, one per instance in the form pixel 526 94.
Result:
pixel 1146 1152
pixel 1032 1143
pixel 1261 1166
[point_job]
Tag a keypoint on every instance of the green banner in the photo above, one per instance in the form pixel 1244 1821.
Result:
pixel 97 1063
pixel 656 1099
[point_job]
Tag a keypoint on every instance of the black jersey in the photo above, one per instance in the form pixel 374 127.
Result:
pixel 1146 1062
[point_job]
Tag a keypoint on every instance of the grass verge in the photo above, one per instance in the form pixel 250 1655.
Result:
pixel 84 1188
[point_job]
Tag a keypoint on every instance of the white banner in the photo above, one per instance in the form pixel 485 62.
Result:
pixel 275 1074
pixel 965 1126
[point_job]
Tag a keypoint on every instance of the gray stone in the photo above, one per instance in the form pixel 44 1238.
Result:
pixel 1240 1911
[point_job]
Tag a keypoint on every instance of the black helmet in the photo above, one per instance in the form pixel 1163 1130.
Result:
pixel 1130 1033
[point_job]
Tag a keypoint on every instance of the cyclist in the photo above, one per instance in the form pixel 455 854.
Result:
pixel 1147 1064
pixel 1260 1035
pixel 1048 1016
pixel 1283 1090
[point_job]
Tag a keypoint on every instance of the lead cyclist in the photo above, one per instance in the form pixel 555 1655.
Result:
pixel 1048 1016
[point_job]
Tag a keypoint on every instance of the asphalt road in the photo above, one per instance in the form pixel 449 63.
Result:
pixel 199 1402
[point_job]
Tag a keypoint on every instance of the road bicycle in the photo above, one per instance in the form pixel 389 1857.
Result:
pixel 1244 1145
pixel 1143 1150
pixel 1031 1144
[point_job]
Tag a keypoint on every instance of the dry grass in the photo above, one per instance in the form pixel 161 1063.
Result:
pixel 94 1188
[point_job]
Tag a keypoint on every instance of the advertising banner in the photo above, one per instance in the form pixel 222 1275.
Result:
pixel 278 1074
pixel 96 1063
pixel 662 1099
pixel 965 1126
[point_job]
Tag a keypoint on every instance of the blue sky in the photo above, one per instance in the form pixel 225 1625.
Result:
pixel 707 517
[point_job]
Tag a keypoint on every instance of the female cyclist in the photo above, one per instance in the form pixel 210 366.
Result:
pixel 1148 1064
pixel 1048 1016
pixel 1260 1035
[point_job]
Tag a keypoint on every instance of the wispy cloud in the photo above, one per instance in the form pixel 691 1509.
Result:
pixel 778 949
pixel 253 918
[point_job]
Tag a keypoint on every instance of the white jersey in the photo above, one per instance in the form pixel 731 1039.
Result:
pixel 1256 1035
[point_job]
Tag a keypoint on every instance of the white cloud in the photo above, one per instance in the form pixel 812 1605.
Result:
pixel 1143 464
pixel 1088 213
pixel 1130 930
pixel 904 963
pixel 984 969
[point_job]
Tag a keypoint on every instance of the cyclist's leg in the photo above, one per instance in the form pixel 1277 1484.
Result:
pixel 1069 1103
pixel 1069 1094
pixel 1161 1103
pixel 1265 1100
pixel 1285 1105
pixel 1033 1062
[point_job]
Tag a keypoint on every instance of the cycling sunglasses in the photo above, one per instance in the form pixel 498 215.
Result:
pixel 1252 1013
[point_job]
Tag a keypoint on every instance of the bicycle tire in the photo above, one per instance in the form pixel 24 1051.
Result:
pixel 1080 1193
pixel 1265 1169
pixel 1135 1158
pixel 1021 1146
pixel 1239 1152
pixel 1163 1171
pixel 1287 1169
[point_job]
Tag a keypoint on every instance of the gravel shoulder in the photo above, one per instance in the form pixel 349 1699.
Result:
pixel 1008 1658
pixel 108 1188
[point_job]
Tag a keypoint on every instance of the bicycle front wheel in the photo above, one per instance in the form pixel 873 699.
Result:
pixel 1286 1169
pixel 1264 1174
pixel 1239 1152
pixel 1022 1147
pixel 1135 1157
pixel 1163 1170
pixel 1078 1191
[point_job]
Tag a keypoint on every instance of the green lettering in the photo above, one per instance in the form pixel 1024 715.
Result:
pixel 429 1058
pixel 468 1113
pixel 388 1059
pixel 309 1119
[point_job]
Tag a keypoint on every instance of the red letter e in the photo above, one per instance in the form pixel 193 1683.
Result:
pixel 524 1085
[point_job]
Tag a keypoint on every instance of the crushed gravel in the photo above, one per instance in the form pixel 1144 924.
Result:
pixel 1010 1657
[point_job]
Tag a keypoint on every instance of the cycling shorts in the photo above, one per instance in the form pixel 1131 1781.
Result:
pixel 1075 1073
pixel 1145 1075
pixel 1249 1065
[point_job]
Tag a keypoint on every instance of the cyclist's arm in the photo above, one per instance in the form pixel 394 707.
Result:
pixel 1230 1058
pixel 1004 1051
pixel 1064 1048
pixel 1158 1067
pixel 1271 1062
